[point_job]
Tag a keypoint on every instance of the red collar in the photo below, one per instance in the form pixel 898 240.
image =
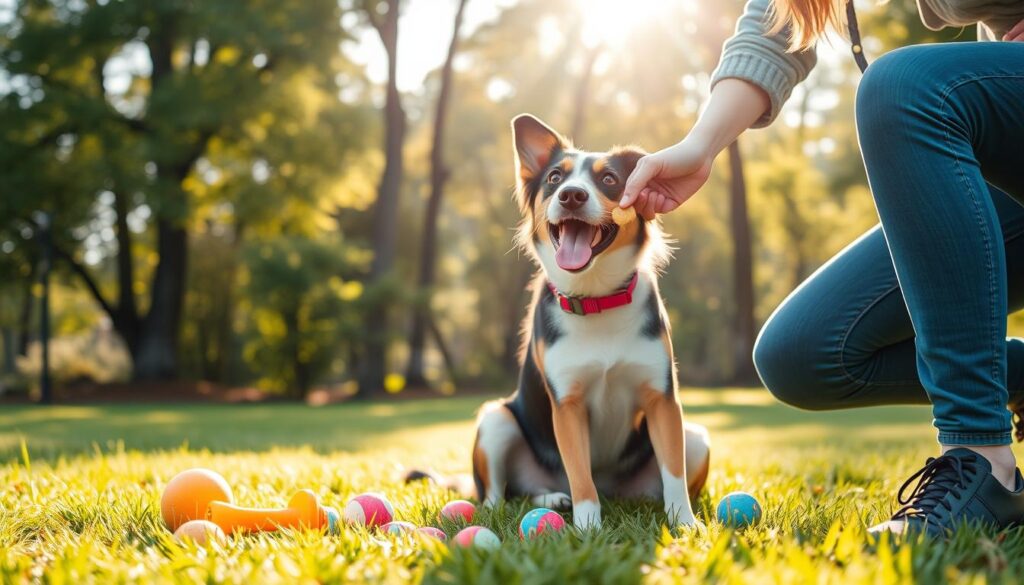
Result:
pixel 590 305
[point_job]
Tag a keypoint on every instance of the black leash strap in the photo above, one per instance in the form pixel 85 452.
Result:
pixel 856 46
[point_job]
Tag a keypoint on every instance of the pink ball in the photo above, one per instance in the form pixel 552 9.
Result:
pixel 458 511
pixel 477 536
pixel 398 527
pixel 431 532
pixel 371 510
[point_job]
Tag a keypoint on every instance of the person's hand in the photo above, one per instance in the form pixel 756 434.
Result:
pixel 1016 33
pixel 662 181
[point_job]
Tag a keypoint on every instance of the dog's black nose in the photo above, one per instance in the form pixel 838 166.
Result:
pixel 572 198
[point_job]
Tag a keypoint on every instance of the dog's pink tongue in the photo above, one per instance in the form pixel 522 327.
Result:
pixel 574 244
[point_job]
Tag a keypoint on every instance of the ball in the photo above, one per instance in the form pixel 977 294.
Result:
pixel 189 493
pixel 739 509
pixel 477 537
pixel 398 527
pixel 458 511
pixel 540 521
pixel 333 520
pixel 371 510
pixel 202 532
pixel 431 532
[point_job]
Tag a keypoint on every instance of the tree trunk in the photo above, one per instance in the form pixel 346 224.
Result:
pixel 25 318
pixel 157 357
pixel 415 376
pixel 744 333
pixel 385 235
pixel 9 343
pixel 126 316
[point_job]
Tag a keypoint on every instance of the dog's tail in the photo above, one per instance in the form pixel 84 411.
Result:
pixel 460 483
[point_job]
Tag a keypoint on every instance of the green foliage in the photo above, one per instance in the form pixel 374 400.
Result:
pixel 81 504
pixel 304 315
pixel 133 121
pixel 256 130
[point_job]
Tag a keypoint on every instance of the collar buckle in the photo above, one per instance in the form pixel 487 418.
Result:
pixel 575 306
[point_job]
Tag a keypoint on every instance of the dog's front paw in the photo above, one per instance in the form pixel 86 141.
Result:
pixel 586 515
pixel 554 501
pixel 681 515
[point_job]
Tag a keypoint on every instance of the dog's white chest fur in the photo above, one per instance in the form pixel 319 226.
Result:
pixel 607 354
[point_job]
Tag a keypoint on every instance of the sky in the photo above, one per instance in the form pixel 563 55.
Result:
pixel 424 31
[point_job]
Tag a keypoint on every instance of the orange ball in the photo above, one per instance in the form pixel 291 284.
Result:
pixel 200 531
pixel 189 493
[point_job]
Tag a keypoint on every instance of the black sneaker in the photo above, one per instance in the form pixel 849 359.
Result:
pixel 953 489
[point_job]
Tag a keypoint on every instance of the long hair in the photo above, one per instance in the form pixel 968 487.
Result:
pixel 807 20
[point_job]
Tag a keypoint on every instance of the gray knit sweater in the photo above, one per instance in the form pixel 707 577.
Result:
pixel 753 55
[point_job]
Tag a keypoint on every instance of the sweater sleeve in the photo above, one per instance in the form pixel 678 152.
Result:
pixel 753 55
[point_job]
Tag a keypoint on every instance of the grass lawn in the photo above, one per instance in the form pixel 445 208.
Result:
pixel 83 504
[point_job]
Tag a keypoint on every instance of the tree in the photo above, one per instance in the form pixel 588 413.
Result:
pixel 383 15
pixel 303 311
pixel 207 66
pixel 744 332
pixel 438 176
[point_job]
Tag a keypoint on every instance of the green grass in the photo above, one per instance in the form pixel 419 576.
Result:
pixel 82 505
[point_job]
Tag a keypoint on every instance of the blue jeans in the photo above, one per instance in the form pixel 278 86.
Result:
pixel 915 310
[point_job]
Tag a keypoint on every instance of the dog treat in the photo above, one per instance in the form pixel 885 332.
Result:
pixel 623 216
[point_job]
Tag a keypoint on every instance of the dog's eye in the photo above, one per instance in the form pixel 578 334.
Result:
pixel 609 179
pixel 555 177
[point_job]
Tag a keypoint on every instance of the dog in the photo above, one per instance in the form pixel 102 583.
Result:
pixel 595 411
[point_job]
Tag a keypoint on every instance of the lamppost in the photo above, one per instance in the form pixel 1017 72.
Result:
pixel 44 221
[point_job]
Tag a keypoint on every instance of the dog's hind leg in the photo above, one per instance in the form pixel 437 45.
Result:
pixel 504 464
pixel 646 483
pixel 497 434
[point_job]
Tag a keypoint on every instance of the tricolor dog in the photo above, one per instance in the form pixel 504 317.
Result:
pixel 595 411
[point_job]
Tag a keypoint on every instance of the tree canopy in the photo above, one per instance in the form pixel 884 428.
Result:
pixel 241 200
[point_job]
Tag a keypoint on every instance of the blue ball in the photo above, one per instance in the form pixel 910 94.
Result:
pixel 739 509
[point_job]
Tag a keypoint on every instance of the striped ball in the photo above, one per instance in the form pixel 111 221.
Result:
pixel 398 527
pixel 477 536
pixel 540 521
pixel 371 510
pixel 431 532
pixel 333 520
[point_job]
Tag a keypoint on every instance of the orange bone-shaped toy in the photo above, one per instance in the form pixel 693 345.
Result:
pixel 303 511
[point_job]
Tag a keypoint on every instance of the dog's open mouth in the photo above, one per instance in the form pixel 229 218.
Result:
pixel 578 242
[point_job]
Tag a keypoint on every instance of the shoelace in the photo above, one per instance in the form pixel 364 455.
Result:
pixel 934 481
pixel 1018 421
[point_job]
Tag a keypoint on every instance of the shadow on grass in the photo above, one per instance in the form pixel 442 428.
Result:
pixel 729 413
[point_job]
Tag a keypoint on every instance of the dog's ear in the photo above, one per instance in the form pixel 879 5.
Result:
pixel 535 143
pixel 628 157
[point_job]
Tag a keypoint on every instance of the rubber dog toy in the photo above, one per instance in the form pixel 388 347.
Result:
pixel 303 511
